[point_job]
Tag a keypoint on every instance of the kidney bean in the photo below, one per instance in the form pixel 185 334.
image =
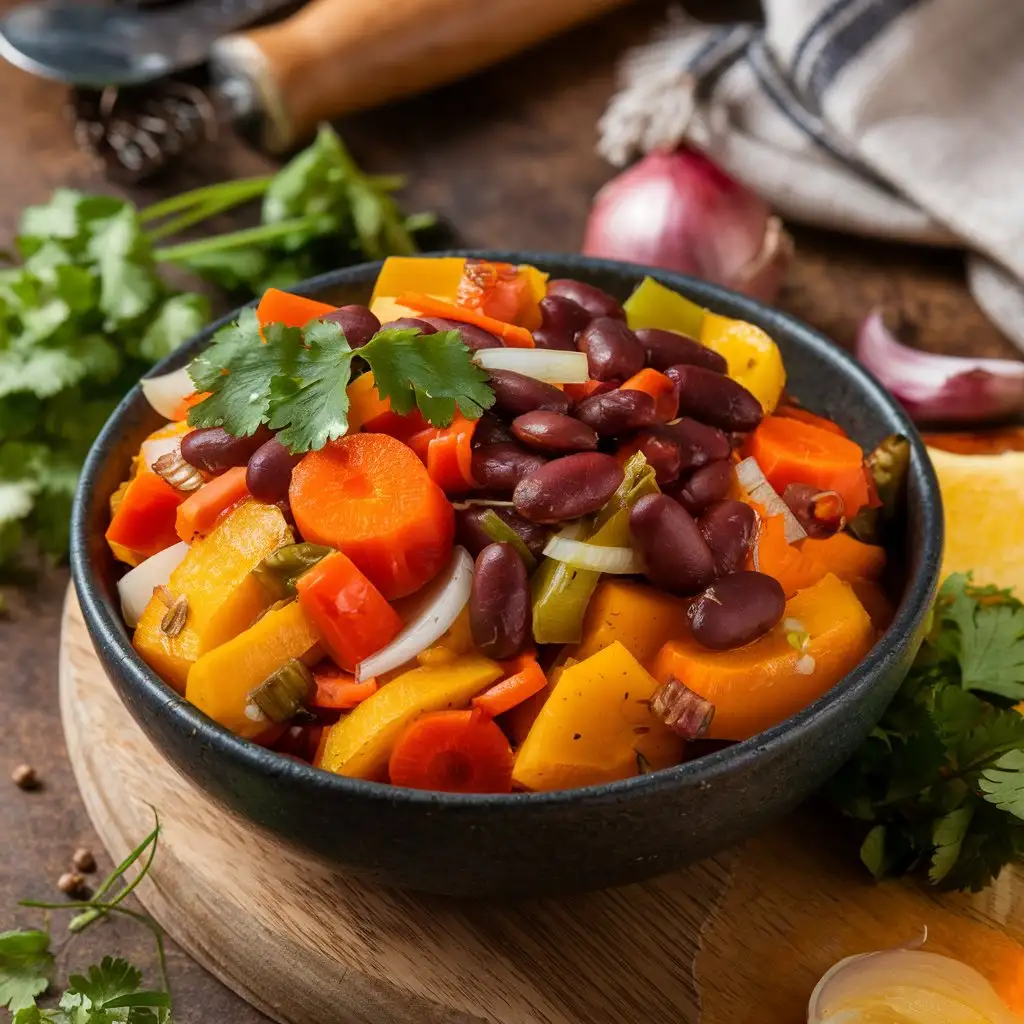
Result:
pixel 515 393
pixel 662 453
pixel 490 430
pixel 561 320
pixel 675 555
pixel 698 443
pixel 729 528
pixel 705 486
pixel 820 513
pixel 269 471
pixel 666 348
pixel 499 603
pixel 554 432
pixel 358 323
pixel 617 412
pixel 715 399
pixel 405 322
pixel 470 534
pixel 214 450
pixel 613 352
pixel 735 610
pixel 473 337
pixel 567 488
pixel 499 467
pixel 593 300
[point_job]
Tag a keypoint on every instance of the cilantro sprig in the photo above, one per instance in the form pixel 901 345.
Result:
pixel 110 992
pixel 295 379
pixel 939 784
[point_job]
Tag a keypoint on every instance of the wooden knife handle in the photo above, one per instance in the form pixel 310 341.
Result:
pixel 335 56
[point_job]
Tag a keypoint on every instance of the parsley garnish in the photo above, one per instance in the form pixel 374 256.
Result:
pixel 940 781
pixel 110 992
pixel 296 379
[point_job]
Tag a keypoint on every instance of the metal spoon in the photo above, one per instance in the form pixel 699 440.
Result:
pixel 83 44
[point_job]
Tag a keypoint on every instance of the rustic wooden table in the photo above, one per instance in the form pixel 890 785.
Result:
pixel 509 162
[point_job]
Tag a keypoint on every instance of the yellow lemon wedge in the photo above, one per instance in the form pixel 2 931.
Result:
pixel 983 501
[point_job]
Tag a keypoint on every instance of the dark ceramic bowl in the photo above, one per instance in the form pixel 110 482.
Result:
pixel 531 843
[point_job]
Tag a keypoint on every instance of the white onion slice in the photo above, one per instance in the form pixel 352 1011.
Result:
pixel 552 365
pixel 595 557
pixel 136 586
pixel 906 985
pixel 754 482
pixel 438 608
pixel 153 450
pixel 166 392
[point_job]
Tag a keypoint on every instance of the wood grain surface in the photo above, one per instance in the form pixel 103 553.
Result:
pixel 741 937
pixel 507 159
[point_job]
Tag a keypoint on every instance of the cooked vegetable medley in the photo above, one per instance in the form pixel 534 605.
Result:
pixel 496 532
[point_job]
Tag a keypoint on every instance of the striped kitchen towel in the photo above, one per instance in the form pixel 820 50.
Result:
pixel 899 119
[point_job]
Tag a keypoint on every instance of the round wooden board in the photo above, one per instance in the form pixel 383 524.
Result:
pixel 739 937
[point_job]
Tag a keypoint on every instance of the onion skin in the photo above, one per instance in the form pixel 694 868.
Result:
pixel 677 210
pixel 937 390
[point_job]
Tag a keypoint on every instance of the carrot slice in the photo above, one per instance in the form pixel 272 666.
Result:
pixel 278 307
pixel 510 334
pixel 791 452
pixel 577 392
pixel 370 496
pixel 503 291
pixel 348 611
pixel 199 512
pixel 447 452
pixel 660 388
pixel 797 412
pixel 528 680
pixel 144 522
pixel 454 752
pixel 341 692
pixel 181 413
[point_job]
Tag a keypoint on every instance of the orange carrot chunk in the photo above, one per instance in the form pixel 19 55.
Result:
pixel 145 518
pixel 200 511
pixel 798 412
pixel 529 679
pixel 660 388
pixel 510 334
pixel 790 451
pixel 278 307
pixel 370 496
pixel 341 692
pixel 453 752
pixel 347 610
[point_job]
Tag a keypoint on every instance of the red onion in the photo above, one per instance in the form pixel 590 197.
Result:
pixel 683 711
pixel 941 389
pixel 679 211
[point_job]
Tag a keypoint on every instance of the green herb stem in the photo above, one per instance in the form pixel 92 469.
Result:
pixel 239 192
pixel 234 239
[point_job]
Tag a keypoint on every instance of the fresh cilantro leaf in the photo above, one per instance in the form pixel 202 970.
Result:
pixel 238 369
pixel 177 319
pixel 26 965
pixel 433 372
pixel 31 1015
pixel 948 834
pixel 1003 783
pixel 128 284
pixel 309 405
pixel 992 652
pixel 113 984
pixel 872 851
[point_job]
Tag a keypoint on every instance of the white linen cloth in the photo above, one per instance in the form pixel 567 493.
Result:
pixel 899 119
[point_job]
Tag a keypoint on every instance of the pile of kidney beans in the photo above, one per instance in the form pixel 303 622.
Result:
pixel 558 460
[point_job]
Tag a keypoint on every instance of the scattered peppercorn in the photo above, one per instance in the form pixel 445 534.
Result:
pixel 71 883
pixel 83 860
pixel 24 777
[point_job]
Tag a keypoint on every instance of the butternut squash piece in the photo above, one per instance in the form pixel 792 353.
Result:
pixel 593 726
pixel 220 682
pixel 642 618
pixel 360 744
pixel 223 599
pixel 764 683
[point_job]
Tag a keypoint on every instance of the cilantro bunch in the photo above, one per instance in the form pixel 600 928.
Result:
pixel 296 380
pixel 110 992
pixel 940 781
pixel 88 309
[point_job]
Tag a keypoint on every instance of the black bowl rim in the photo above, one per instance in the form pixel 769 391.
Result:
pixel 105 624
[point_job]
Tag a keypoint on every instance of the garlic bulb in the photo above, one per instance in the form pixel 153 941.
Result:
pixel 906 986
